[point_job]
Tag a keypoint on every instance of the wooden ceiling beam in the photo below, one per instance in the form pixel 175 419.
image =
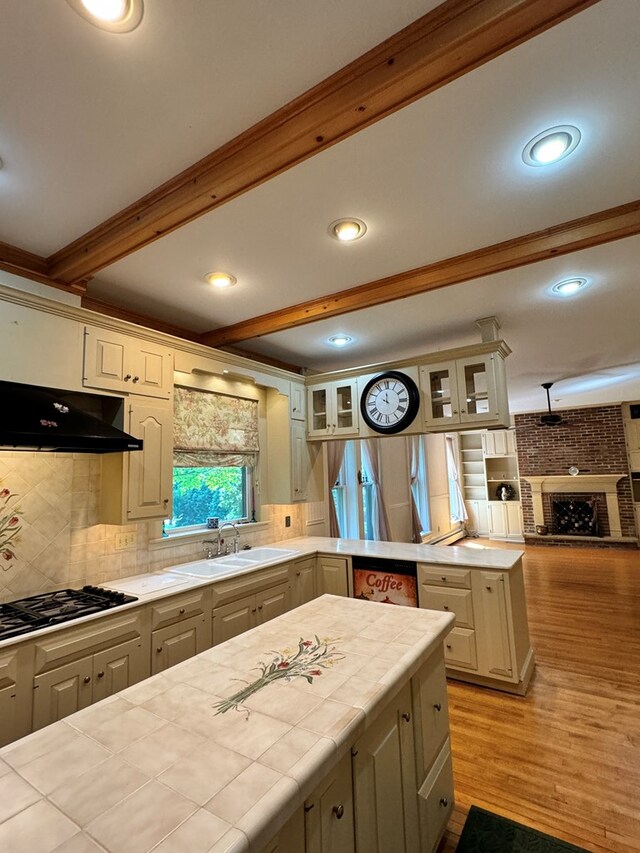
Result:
pixel 583 233
pixel 34 267
pixel 454 38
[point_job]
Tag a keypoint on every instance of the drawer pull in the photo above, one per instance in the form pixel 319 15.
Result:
pixel 159 649
pixel 87 679
pixel 444 580
pixel 449 646
pixel 127 377
pixel 488 589
pixel 182 611
pixel 338 811
pixel 309 807
pixel 406 717
pixel 446 606
pixel 438 706
pixel 101 673
pixel 444 802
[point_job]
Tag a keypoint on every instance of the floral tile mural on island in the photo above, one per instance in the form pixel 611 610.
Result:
pixel 307 661
pixel 61 543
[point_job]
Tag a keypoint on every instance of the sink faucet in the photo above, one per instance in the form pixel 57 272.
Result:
pixel 235 541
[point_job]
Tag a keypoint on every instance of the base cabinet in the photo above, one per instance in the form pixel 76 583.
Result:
pixel 15 694
pixel 504 519
pixel 240 615
pixel 180 629
pixel 329 813
pixel 304 581
pixel 489 642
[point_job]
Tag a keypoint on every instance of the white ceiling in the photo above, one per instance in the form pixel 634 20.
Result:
pixel 95 120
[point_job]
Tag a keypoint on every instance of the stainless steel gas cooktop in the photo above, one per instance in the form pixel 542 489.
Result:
pixel 52 608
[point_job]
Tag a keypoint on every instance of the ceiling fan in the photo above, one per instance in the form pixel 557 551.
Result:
pixel 550 418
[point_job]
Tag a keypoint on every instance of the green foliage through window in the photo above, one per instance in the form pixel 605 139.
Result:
pixel 202 492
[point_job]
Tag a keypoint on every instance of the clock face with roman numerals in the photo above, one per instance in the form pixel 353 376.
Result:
pixel 390 402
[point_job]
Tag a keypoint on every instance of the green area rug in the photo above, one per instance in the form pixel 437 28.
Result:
pixel 485 832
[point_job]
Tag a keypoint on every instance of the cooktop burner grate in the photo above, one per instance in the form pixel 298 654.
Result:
pixel 53 608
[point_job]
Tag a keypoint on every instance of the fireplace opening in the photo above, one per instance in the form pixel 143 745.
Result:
pixel 574 516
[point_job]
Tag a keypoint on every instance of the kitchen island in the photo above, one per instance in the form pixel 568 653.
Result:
pixel 247 745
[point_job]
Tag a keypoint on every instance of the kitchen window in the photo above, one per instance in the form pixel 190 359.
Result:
pixel 215 454
pixel 353 495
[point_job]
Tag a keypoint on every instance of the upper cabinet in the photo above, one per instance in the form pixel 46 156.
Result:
pixel 116 362
pixel 499 442
pixel 467 391
pixel 298 402
pixel 333 408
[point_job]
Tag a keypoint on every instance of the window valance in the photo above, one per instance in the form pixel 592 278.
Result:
pixel 213 429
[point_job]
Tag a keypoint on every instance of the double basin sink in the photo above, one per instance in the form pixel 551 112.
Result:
pixel 218 567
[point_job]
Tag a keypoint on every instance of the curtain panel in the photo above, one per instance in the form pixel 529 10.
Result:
pixel 212 429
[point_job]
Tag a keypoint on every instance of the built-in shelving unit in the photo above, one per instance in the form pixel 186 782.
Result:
pixel 473 471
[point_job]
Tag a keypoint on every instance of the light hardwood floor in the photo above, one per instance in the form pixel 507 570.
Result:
pixel 565 759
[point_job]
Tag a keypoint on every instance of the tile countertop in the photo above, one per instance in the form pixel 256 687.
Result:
pixel 174 763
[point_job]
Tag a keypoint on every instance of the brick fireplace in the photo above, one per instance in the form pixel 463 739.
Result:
pixel 591 439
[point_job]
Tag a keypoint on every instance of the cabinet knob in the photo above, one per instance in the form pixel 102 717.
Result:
pixel 101 673
pixel 489 589
pixel 338 811
pixel 127 377
pixel 438 706
pixel 446 606
pixel 87 679
pixel 298 574
pixel 260 607
pixel 158 650
pixel 136 379
pixel 182 611
pixel 449 646
pixel 444 802
pixel 165 501
pixel 406 717
pixel 455 411
pixel 443 579
pixel 253 610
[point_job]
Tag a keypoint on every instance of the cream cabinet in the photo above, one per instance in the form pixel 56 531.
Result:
pixel 116 362
pixel 15 693
pixel 489 643
pixel 76 667
pixel 298 402
pixel 332 409
pixel 465 392
pixel 139 485
pixel 329 813
pixel 504 519
pixel 294 466
pixel 384 781
pixel 180 628
pixel 240 615
pixel 303 581
pixel 499 442
pixel 333 575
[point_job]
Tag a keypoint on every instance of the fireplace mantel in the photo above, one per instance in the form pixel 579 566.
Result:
pixel 581 483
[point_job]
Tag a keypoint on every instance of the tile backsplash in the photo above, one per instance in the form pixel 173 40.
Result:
pixel 61 543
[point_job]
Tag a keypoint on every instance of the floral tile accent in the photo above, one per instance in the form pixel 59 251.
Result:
pixel 10 525
pixel 309 661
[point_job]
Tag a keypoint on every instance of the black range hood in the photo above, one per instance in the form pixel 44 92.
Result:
pixel 36 418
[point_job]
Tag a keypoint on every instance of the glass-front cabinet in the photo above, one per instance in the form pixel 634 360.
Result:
pixel 332 408
pixel 462 391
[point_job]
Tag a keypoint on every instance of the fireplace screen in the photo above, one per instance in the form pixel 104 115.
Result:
pixel 575 517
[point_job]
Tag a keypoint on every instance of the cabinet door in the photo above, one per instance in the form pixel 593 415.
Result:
pixel 119 667
pixel 62 691
pixel 176 643
pixel 299 462
pixel 150 478
pixel 497 516
pixel 234 618
pixel 494 594
pixel 15 695
pixel 384 781
pixel 317 408
pixel 105 360
pixel 329 818
pixel 290 839
pixel 152 367
pixel 436 800
pixel 332 576
pixel 304 581
pixel 430 713
pixel 477 389
pixel 439 385
pixel 513 520
pixel 273 602
pixel 297 402
pixel 344 407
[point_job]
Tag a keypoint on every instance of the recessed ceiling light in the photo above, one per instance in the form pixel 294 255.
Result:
pixel 115 16
pixel 220 279
pixel 551 145
pixel 347 230
pixel 569 286
pixel 340 340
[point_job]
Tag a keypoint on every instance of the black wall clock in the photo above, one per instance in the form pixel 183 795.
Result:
pixel 390 402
